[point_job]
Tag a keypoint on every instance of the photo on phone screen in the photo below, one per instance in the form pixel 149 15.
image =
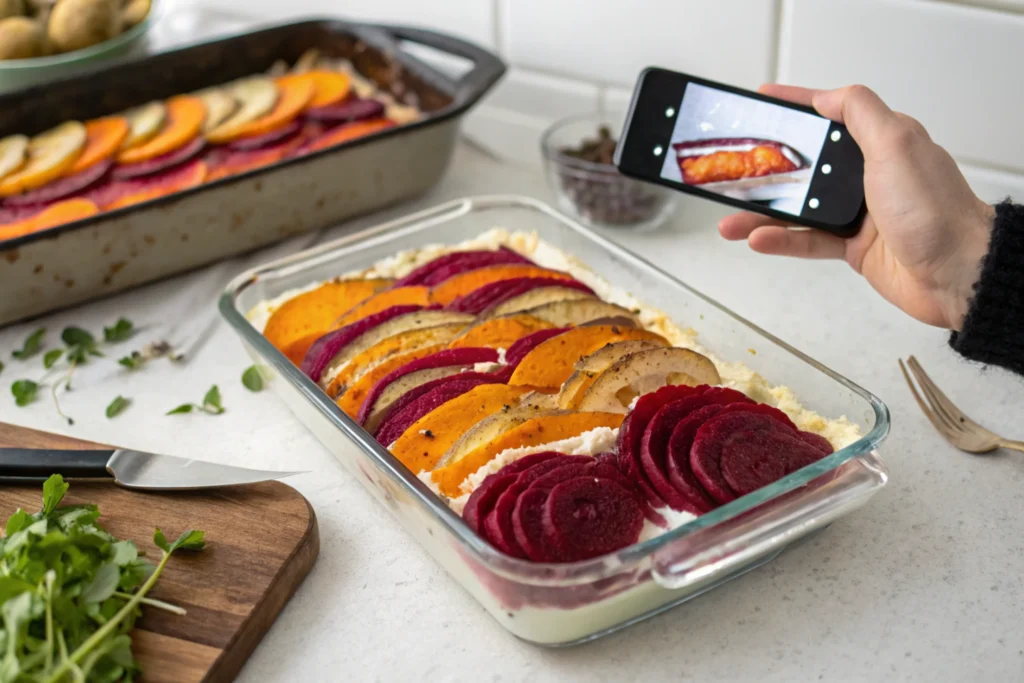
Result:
pixel 746 149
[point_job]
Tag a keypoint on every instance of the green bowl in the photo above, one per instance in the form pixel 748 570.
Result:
pixel 22 73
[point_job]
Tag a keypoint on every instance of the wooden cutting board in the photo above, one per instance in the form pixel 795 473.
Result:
pixel 261 540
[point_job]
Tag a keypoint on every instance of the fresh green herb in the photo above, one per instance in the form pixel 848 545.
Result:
pixel 252 379
pixel 24 391
pixel 183 408
pixel 76 336
pixel 122 329
pixel 70 593
pixel 51 357
pixel 117 405
pixel 1 366
pixel 32 344
pixel 211 404
pixel 132 361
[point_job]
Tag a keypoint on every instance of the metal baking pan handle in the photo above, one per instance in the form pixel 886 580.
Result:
pixel 768 528
pixel 487 68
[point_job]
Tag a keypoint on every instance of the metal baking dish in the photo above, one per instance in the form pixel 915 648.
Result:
pixel 121 249
pixel 562 604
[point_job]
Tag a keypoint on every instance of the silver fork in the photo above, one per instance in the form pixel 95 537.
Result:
pixel 950 421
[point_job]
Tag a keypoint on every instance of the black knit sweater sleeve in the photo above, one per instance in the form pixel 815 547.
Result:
pixel 993 331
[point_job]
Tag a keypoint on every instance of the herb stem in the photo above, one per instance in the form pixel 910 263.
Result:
pixel 159 604
pixel 66 379
pixel 50 577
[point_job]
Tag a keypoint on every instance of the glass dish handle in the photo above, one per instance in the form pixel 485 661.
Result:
pixel 731 545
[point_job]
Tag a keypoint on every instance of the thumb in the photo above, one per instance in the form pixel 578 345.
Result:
pixel 863 112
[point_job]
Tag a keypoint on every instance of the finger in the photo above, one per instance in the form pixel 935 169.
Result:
pixel 812 244
pixel 863 112
pixel 738 226
pixel 790 93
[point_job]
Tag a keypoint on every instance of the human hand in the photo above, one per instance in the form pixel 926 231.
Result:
pixel 925 232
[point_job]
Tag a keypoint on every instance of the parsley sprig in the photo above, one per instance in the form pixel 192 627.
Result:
pixel 211 404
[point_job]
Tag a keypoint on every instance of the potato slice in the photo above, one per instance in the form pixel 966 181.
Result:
pixel 256 95
pixel 50 155
pixel 397 389
pixel 490 428
pixel 144 123
pixel 578 312
pixel 13 153
pixel 220 106
pixel 590 367
pixel 643 372
pixel 537 297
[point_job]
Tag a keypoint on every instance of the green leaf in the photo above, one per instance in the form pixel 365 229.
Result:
pixel 123 553
pixel 192 539
pixel 117 405
pixel 252 379
pixel 51 357
pixel 31 346
pixel 76 336
pixel 161 541
pixel 53 492
pixel 122 329
pixel 16 522
pixel 211 401
pixel 24 391
pixel 133 360
pixel 103 584
pixel 183 408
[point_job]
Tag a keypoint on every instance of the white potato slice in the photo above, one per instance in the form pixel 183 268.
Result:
pixel 536 297
pixel 400 386
pixel 256 95
pixel 144 122
pixel 13 154
pixel 492 427
pixel 578 312
pixel 589 367
pixel 643 372
pixel 50 155
pixel 220 106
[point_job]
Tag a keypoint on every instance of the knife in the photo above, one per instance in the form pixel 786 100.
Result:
pixel 131 469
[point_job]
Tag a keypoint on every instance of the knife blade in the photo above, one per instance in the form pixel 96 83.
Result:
pixel 129 468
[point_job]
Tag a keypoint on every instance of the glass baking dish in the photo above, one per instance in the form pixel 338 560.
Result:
pixel 564 604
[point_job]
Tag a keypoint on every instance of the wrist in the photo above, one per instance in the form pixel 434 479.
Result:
pixel 973 247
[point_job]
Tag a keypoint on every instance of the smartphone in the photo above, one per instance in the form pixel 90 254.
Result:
pixel 743 149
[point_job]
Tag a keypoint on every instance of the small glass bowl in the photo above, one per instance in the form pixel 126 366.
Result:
pixel 597 193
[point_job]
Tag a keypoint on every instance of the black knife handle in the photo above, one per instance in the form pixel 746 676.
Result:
pixel 39 463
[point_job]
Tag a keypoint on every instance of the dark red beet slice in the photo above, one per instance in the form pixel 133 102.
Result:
pixel 680 474
pixel 753 458
pixel 416 403
pixel 449 265
pixel 484 498
pixel 724 396
pixel 13 214
pixel 710 439
pixel 351 109
pixel 587 517
pixel 528 525
pixel 109 191
pixel 494 293
pixel 520 347
pixel 324 349
pixel 819 442
pixel 159 164
pixel 654 455
pixel 267 139
pixel 762 409
pixel 62 188
pixel 441 359
pixel 526 462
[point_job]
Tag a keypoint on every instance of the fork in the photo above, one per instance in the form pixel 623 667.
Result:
pixel 950 421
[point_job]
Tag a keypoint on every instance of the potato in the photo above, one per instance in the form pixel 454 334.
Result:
pixel 134 12
pixel 12 8
pixel 20 38
pixel 77 24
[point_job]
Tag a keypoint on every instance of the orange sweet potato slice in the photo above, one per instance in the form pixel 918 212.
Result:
pixel 400 296
pixel 189 177
pixel 56 214
pixel 185 116
pixel 403 342
pixel 426 440
pixel 296 90
pixel 329 87
pixel 460 285
pixel 103 137
pixel 499 333
pixel 349 131
pixel 353 398
pixel 535 432
pixel 547 366
pixel 300 321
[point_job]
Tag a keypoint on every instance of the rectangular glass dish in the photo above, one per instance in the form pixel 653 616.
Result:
pixel 564 604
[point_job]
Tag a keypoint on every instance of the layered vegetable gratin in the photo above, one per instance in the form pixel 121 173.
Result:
pixel 558 416
pixel 81 168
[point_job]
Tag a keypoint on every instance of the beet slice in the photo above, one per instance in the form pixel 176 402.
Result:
pixel 762 409
pixel 819 442
pixel 416 403
pixel 753 458
pixel 110 190
pixel 443 267
pixel 527 461
pixel 348 110
pixel 159 164
pixel 522 346
pixel 324 349
pixel 13 214
pixel 654 455
pixel 494 293
pixel 587 517
pixel 724 396
pixel 267 139
pixel 484 498
pixel 441 359
pixel 677 463
pixel 710 440
pixel 62 188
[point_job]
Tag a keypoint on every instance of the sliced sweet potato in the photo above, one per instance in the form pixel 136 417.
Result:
pixel 103 137
pixel 499 333
pixel 50 156
pixel 63 188
pixel 588 368
pixel 188 176
pixel 352 400
pixel 533 432
pixel 566 313
pixel 345 133
pixel 329 87
pixel 185 115
pixel 160 164
pixel 423 443
pixel 56 214
pixel 226 160
pixel 646 371
pixel 398 296
pixel 537 297
pixel 490 428
pixel 295 92
pixel 461 285
pixel 294 326
pixel 419 401
pixel 551 363
pixel 403 342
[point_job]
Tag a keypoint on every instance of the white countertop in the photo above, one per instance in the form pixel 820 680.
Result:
pixel 924 584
